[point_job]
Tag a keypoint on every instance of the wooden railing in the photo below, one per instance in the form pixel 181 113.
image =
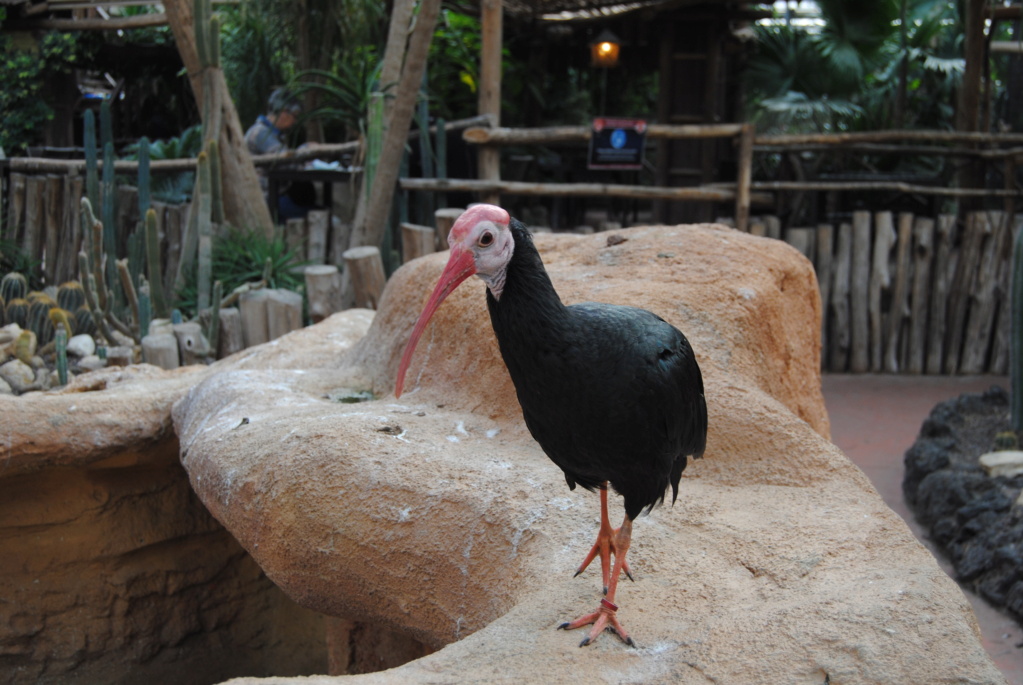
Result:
pixel 738 192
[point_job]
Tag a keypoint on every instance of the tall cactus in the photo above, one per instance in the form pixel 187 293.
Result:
pixel 61 346
pixel 153 265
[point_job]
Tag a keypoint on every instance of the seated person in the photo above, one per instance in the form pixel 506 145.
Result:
pixel 267 136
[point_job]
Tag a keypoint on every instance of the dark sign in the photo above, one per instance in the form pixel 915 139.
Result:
pixel 617 143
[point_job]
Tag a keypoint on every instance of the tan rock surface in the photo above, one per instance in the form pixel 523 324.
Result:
pixel 438 515
pixel 111 570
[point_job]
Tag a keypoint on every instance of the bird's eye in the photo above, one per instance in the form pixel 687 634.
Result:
pixel 486 239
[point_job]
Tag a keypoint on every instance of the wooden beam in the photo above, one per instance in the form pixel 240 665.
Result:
pixel 881 186
pixel 489 103
pixel 890 135
pixel 581 134
pixel 696 193
pixel 113 24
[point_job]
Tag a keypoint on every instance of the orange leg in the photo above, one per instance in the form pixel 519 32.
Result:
pixel 605 545
pixel 606 614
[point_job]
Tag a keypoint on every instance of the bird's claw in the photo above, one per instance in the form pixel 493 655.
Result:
pixel 604 618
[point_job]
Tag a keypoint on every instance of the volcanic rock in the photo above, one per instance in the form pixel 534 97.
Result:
pixel 438 515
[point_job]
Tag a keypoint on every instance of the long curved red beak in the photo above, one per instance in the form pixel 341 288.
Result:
pixel 460 266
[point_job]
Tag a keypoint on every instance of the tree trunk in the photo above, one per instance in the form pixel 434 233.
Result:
pixel 244 205
pixel 371 222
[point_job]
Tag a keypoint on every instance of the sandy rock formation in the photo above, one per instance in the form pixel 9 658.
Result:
pixel 439 516
pixel 111 570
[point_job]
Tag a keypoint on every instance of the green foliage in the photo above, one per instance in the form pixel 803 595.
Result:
pixel 22 72
pixel 174 188
pixel 243 257
pixel 256 53
pixel 343 94
pixel 453 66
pixel 848 75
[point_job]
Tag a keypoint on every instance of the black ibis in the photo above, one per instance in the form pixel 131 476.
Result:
pixel 612 393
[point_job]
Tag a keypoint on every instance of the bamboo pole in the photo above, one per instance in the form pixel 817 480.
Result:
pixel 744 178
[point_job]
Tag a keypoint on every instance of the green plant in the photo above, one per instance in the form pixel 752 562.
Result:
pixel 13 286
pixel 23 72
pixel 176 187
pixel 243 257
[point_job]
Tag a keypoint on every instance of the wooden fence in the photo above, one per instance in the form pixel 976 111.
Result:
pixel 911 294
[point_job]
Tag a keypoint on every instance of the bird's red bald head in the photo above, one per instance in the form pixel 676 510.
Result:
pixel 472 216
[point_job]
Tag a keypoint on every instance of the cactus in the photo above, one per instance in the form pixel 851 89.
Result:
pixel 145 308
pixel 153 265
pixel 84 322
pixel 17 311
pixel 25 347
pixel 61 345
pixel 39 318
pixel 70 295
pixel 213 332
pixel 204 228
pixel 62 317
pixel 13 286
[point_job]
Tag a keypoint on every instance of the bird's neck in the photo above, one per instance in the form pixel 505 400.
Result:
pixel 528 296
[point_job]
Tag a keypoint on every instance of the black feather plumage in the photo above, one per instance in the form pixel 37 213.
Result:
pixel 612 393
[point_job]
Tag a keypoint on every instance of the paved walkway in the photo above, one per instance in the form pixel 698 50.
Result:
pixel 874 420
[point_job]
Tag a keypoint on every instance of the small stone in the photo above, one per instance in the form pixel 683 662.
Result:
pixel 5 388
pixel 19 375
pixel 81 345
pixel 91 363
pixel 1004 463
pixel 42 378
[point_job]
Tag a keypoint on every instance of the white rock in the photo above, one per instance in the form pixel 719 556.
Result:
pixel 5 388
pixel 81 345
pixel 19 375
pixel 9 333
pixel 43 378
pixel 1003 463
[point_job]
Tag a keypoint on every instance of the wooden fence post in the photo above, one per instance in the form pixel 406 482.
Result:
pixel 923 255
pixel 416 241
pixel 444 220
pixel 880 280
pixel 366 270
pixel 859 322
pixel 839 352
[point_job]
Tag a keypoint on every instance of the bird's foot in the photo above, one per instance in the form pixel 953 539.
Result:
pixel 604 618
pixel 605 547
